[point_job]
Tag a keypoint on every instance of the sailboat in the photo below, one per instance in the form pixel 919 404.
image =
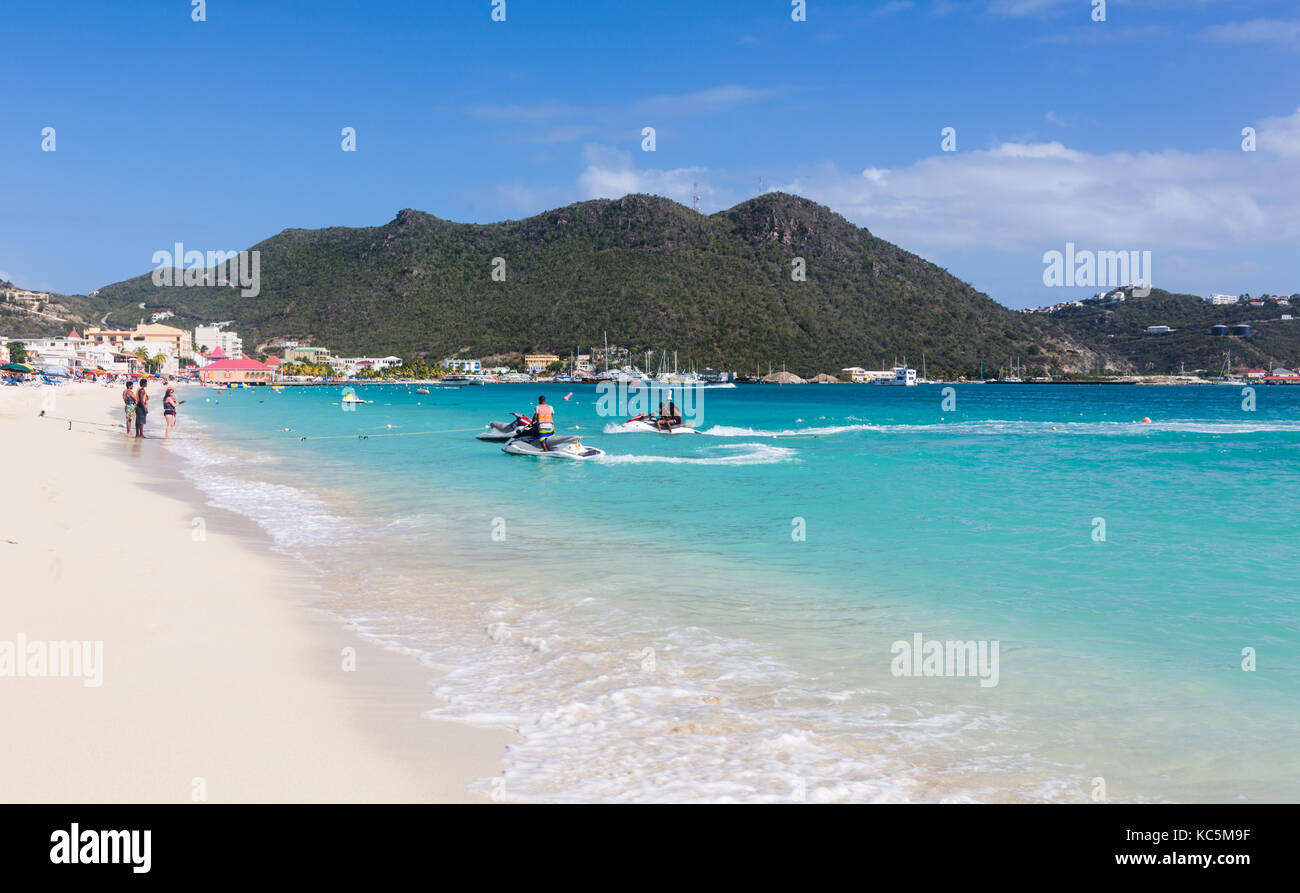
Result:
pixel 1014 378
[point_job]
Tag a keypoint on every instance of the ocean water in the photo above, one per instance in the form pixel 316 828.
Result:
pixel 713 617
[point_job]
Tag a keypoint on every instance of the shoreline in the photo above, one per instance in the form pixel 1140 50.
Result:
pixel 223 675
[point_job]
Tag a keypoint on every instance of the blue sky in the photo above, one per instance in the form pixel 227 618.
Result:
pixel 1116 135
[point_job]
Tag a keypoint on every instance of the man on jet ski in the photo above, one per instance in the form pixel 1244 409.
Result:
pixel 670 418
pixel 663 421
pixel 544 422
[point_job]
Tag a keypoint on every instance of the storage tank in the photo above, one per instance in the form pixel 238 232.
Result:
pixel 1241 330
pixel 1218 330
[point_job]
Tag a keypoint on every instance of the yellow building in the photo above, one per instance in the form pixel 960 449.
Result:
pixel 537 362
pixel 179 340
pixel 315 356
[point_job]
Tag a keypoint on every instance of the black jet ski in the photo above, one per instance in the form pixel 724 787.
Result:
pixel 502 431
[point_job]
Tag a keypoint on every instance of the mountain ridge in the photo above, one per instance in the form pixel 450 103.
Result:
pixel 649 271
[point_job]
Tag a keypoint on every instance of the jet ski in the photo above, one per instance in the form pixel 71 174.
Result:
pixel 562 446
pixel 505 430
pixel 646 423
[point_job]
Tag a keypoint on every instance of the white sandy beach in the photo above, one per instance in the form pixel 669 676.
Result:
pixel 218 678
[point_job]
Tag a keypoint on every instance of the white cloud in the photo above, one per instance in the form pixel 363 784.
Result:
pixel 1017 198
pixel 557 122
pixel 704 102
pixel 1017 8
pixel 611 174
pixel 1280 136
pixel 1285 32
pixel 1217 209
pixel 888 9
pixel 1024 196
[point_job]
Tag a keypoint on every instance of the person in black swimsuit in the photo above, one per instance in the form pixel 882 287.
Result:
pixel 169 409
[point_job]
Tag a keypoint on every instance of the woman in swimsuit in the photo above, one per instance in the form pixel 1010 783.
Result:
pixel 128 398
pixel 169 409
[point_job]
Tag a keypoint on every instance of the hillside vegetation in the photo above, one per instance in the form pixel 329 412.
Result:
pixel 652 273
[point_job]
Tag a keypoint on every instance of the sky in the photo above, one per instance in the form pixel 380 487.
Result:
pixel 1122 134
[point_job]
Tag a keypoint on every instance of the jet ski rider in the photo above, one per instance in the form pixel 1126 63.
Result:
pixel 544 422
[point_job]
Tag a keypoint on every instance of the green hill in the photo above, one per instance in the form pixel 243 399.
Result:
pixel 650 272
pixel 1121 329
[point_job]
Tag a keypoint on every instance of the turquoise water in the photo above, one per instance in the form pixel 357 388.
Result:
pixel 656 628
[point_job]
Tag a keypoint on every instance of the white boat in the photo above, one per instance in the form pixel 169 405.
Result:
pixel 353 398
pixel 903 377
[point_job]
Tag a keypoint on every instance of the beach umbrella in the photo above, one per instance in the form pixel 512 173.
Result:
pixel 17 367
pixel 57 371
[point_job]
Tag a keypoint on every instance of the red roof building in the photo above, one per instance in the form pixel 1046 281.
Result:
pixel 240 371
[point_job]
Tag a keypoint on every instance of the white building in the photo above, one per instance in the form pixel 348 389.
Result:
pixel 859 375
pixel 1158 330
pixel 170 364
pixel 74 352
pixel 1221 299
pixel 468 367
pixel 353 365
pixel 212 337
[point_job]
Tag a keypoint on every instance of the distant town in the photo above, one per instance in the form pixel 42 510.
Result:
pixel 1118 295
pixel 215 354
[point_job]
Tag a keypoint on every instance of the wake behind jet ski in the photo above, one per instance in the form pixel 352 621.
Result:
pixel 501 431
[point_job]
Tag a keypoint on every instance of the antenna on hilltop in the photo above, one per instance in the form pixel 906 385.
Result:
pixel 696 188
pixel 760 185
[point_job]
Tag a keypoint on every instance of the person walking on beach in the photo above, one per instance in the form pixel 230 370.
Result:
pixel 169 410
pixel 141 409
pixel 544 419
pixel 128 398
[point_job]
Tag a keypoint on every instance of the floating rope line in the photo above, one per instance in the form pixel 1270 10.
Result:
pixel 281 437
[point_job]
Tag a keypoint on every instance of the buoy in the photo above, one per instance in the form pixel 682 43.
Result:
pixel 568 395
pixel 1146 420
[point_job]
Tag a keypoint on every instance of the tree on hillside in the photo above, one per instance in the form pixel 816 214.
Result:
pixel 17 352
